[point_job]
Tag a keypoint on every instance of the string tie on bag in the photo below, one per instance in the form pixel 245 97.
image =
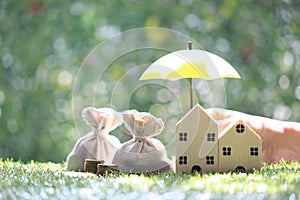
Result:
pixel 100 133
pixel 142 138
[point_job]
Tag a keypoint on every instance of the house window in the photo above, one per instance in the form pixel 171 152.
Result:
pixel 254 151
pixel 182 160
pixel 210 160
pixel 182 136
pixel 226 151
pixel 240 128
pixel 211 137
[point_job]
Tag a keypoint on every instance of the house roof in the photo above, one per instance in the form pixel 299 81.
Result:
pixel 200 109
pixel 233 123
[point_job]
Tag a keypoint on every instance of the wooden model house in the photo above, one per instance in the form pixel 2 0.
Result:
pixel 200 146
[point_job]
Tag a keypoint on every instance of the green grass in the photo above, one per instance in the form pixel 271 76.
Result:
pixel 49 181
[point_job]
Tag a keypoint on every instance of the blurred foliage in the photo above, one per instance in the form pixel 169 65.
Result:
pixel 42 44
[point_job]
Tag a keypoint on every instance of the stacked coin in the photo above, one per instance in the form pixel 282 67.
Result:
pixel 90 165
pixel 106 168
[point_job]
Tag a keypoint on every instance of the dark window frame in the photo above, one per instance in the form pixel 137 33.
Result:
pixel 226 151
pixel 182 160
pixel 254 151
pixel 183 137
pixel 240 128
pixel 211 137
pixel 210 160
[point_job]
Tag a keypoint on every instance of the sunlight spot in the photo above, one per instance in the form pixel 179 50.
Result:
pixel 163 95
pixel 140 182
pixel 232 188
pixel 286 15
pixel 192 21
pixel 107 31
pixel 12 125
pixel 261 187
pixel 222 45
pixel 287 62
pixel 77 8
pixel 2 97
pixel 254 29
pixel 186 2
pixel 284 82
pixel 64 78
pixel 102 88
pixel 17 104
pixel 292 197
pixel 198 184
pixel 7 60
pixel 296 46
pixel 267 74
pixel 41 74
pixel 282 112
pixel 174 194
pixel 59 44
pixel 297 92
pixel 186 188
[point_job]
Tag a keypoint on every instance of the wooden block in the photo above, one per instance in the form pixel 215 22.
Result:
pixel 90 165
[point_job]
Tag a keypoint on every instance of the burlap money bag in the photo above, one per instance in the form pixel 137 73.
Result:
pixel 143 153
pixel 97 144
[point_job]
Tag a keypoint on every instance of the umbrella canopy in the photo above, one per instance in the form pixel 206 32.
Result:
pixel 190 64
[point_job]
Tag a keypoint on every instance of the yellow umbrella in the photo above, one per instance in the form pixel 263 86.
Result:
pixel 190 64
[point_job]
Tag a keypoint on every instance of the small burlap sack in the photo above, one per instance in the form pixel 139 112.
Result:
pixel 142 154
pixel 97 144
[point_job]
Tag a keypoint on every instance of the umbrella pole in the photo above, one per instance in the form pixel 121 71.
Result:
pixel 191 80
pixel 191 92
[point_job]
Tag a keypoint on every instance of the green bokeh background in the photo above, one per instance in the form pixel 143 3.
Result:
pixel 43 43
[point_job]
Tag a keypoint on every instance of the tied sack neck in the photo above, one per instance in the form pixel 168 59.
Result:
pixel 102 120
pixel 138 130
pixel 140 138
pixel 142 125
pixel 100 132
pixel 104 126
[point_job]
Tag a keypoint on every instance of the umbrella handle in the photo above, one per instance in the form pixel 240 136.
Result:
pixel 191 92
pixel 191 80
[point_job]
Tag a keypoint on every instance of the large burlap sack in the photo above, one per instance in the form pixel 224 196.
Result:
pixel 142 154
pixel 97 144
